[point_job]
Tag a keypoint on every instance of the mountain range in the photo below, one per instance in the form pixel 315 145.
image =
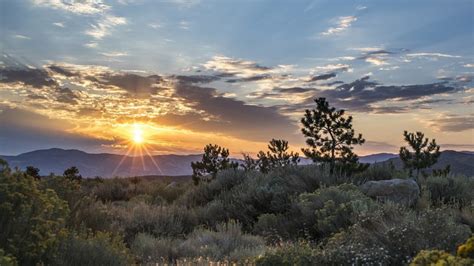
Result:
pixel 108 165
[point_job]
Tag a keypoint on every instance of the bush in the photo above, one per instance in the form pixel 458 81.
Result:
pixel 288 254
pixel 6 259
pixel 455 189
pixel 31 218
pixel 393 235
pixel 92 249
pixel 438 257
pixel 330 210
pixel 112 190
pixel 228 242
pixel 151 250
pixel 159 221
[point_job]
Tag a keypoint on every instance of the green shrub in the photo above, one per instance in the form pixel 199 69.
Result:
pixel 393 236
pixel 6 259
pixel 438 257
pixel 92 249
pixel 454 189
pixel 150 250
pixel 288 254
pixel 31 218
pixel 112 190
pixel 228 242
pixel 330 210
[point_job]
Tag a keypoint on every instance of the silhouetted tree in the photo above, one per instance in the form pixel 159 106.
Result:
pixel 72 173
pixel 263 162
pixel 423 155
pixel 214 159
pixel 33 172
pixel 248 163
pixel 279 155
pixel 331 138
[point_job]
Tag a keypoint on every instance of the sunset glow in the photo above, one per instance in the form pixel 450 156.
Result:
pixel 137 136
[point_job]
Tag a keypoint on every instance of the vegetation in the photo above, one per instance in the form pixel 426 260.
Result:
pixel 330 137
pixel 425 153
pixel 270 212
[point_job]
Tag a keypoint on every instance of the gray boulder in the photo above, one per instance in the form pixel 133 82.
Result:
pixel 401 191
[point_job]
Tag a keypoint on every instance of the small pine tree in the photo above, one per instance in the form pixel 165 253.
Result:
pixel 424 154
pixel 249 163
pixel 263 162
pixel 331 138
pixel 72 173
pixel 279 155
pixel 33 172
pixel 214 159
pixel 442 172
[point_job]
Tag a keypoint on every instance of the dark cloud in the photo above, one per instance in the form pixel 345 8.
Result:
pixel 293 90
pixel 34 77
pixel 197 78
pixel 323 77
pixel 249 79
pixel 136 85
pixel 453 123
pixel 62 71
pixel 66 95
pixel 231 116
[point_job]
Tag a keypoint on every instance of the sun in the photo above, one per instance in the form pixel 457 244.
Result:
pixel 137 134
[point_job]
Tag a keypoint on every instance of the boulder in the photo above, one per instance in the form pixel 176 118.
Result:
pixel 401 191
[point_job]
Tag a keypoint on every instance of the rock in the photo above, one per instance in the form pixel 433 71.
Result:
pixel 402 191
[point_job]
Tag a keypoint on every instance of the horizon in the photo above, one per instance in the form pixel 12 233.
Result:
pixel 172 76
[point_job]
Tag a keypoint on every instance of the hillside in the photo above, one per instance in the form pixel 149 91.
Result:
pixel 104 164
pixel 109 165
pixel 461 162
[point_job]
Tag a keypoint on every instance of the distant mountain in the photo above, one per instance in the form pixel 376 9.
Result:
pixel 461 162
pixel 377 157
pixel 109 165
pixel 103 164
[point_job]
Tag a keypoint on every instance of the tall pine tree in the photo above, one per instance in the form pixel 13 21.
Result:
pixel 423 155
pixel 330 137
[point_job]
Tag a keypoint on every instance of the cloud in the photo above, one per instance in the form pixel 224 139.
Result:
pixel 185 25
pixel 233 66
pixel 59 24
pixel 343 23
pixel 432 55
pixel 104 26
pixel 34 77
pixel 21 37
pixel 453 123
pixel 82 7
pixel 91 45
pixel 323 77
pixel 114 54
pixel 334 67
pixel 468 65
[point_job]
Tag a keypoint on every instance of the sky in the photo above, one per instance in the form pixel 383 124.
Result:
pixel 92 74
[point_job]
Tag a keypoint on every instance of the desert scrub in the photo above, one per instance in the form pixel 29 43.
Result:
pixel 439 257
pixel 466 250
pixel 150 250
pixel 299 253
pixel 394 235
pixel 330 210
pixel 228 242
pixel 6 259
pixel 453 189
pixel 92 249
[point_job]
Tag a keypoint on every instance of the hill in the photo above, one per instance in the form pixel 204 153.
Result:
pixel 461 162
pixel 104 164
pixel 109 165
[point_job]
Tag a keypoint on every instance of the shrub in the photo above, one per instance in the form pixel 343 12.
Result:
pixel 438 257
pixel 112 190
pixel 227 242
pixel 330 210
pixel 288 254
pixel 150 250
pixel 92 249
pixel 457 189
pixel 393 235
pixel 466 250
pixel 6 259
pixel 31 218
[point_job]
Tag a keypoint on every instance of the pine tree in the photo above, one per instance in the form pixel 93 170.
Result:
pixel 424 154
pixel 214 159
pixel 279 155
pixel 331 138
pixel 72 173
pixel 33 172
pixel 249 163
